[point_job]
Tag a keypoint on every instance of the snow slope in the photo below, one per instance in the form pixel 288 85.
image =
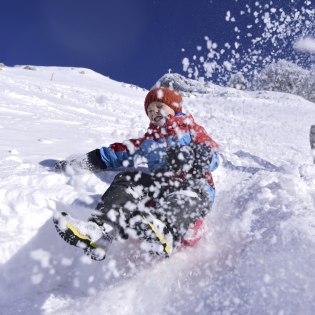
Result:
pixel 258 254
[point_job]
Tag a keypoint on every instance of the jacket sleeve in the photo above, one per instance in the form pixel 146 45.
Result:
pixel 120 154
pixel 116 155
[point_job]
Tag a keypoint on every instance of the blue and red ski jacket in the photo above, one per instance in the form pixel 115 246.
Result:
pixel 179 130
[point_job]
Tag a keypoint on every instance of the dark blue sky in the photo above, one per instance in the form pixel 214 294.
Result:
pixel 134 41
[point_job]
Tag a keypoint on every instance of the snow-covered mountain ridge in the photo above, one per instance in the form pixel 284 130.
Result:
pixel 258 254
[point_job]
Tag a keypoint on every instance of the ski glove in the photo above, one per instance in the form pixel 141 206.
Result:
pixel 195 159
pixel 91 161
pixel 180 159
pixel 203 158
pixel 60 166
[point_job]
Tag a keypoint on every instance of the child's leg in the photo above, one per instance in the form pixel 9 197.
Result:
pixel 183 205
pixel 165 226
pixel 112 214
pixel 121 200
pixel 124 206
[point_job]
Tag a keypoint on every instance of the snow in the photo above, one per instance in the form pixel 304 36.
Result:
pixel 278 30
pixel 258 253
pixel 306 44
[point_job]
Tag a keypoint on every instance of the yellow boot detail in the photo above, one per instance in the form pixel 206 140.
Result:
pixel 161 238
pixel 83 237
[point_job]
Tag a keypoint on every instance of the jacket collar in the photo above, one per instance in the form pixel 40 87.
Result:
pixel 157 132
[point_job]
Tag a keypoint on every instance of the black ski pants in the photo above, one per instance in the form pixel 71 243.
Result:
pixel 176 202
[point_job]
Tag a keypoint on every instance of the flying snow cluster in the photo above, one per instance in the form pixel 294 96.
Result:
pixel 264 33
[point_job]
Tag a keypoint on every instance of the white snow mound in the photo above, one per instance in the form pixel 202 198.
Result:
pixel 259 252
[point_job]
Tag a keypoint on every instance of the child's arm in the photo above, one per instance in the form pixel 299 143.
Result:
pixel 106 158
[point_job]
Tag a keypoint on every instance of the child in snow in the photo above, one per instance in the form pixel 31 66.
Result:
pixel 160 206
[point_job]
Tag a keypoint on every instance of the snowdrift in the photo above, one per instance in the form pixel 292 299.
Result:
pixel 259 251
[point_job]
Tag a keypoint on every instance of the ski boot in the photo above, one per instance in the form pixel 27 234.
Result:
pixel 158 238
pixel 93 238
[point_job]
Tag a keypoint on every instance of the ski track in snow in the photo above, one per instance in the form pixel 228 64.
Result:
pixel 258 253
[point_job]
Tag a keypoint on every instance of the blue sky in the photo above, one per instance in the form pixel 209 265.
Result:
pixel 134 41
